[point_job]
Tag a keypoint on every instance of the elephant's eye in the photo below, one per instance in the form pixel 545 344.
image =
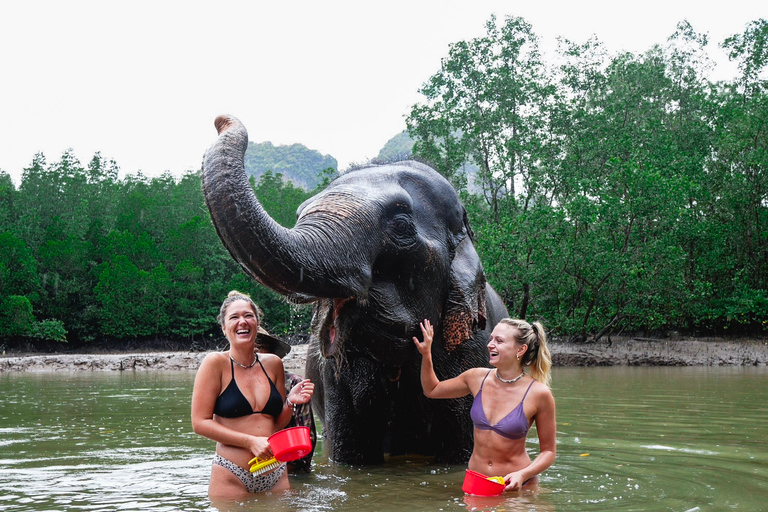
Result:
pixel 400 233
pixel 401 226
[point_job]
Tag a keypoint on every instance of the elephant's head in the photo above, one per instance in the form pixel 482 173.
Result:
pixel 380 249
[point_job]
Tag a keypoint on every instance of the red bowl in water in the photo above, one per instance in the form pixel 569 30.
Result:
pixel 290 443
pixel 479 485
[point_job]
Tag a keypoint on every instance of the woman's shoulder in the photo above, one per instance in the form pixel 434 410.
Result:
pixel 212 365
pixel 474 376
pixel 476 373
pixel 266 357
pixel 270 360
pixel 215 358
pixel 540 391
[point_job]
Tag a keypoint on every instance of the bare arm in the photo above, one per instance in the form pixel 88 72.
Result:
pixel 299 394
pixel 274 366
pixel 432 386
pixel 546 427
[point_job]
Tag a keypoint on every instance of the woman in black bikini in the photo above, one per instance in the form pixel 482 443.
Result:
pixel 507 401
pixel 238 402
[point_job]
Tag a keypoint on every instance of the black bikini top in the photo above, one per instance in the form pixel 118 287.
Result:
pixel 231 403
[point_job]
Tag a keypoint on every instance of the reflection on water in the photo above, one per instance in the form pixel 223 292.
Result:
pixel 681 439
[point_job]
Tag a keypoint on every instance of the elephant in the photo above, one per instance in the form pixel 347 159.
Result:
pixel 379 250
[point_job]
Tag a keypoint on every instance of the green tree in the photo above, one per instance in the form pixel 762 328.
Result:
pixel 280 198
pixel 18 268
pixel 7 196
pixel 487 104
pixel 19 286
pixel 634 147
pixel 134 302
pixel 734 272
pixel 16 318
pixel 490 104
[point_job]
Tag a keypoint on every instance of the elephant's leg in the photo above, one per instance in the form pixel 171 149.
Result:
pixel 356 412
pixel 411 415
pixel 424 426
pixel 452 430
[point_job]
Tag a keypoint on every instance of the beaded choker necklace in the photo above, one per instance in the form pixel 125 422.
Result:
pixel 505 381
pixel 255 360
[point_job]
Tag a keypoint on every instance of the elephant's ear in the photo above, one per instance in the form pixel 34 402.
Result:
pixel 465 310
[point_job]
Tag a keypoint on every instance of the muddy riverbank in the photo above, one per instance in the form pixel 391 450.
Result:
pixel 625 352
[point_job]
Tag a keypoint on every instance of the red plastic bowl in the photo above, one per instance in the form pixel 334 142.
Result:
pixel 290 444
pixel 479 485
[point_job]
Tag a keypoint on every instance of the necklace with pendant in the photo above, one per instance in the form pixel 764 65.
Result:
pixel 255 360
pixel 505 381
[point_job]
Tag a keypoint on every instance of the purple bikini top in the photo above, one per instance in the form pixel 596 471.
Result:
pixel 513 426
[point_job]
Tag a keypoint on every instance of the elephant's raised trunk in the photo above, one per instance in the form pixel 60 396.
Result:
pixel 309 260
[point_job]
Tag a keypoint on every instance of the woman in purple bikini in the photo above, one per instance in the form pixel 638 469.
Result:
pixel 507 401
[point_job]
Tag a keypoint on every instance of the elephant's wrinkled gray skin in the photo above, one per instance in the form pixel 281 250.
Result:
pixel 378 251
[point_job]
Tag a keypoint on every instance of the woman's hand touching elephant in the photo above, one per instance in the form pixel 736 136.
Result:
pixel 425 347
pixel 302 392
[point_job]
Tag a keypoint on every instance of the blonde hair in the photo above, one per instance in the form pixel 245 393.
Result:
pixel 537 357
pixel 232 297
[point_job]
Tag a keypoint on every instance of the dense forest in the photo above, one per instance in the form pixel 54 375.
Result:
pixel 618 192
pixel 88 258
pixel 607 193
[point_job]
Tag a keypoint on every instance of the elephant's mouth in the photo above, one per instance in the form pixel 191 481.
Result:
pixel 347 328
pixel 331 342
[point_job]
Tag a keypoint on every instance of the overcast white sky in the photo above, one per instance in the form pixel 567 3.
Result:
pixel 142 81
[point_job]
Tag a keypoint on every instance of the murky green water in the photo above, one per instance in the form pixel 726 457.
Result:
pixel 678 439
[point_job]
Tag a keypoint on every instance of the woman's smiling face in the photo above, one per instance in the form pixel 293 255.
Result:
pixel 240 322
pixel 502 344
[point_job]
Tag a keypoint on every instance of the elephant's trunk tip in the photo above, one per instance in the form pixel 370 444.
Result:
pixel 222 123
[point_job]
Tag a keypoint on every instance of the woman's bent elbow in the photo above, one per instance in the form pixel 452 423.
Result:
pixel 198 427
